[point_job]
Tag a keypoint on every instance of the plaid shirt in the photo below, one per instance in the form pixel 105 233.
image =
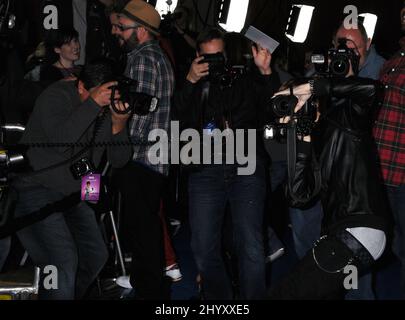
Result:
pixel 150 67
pixel 389 130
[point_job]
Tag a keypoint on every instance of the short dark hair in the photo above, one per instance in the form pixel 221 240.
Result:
pixel 208 35
pixel 63 36
pixel 96 73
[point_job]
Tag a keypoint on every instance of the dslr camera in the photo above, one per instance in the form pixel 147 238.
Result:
pixel 340 60
pixel 139 103
pixel 283 106
pixel 219 72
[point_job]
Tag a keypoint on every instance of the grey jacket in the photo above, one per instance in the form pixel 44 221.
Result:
pixel 60 117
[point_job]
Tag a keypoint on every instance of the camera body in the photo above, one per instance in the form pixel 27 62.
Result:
pixel 139 103
pixel 219 72
pixel 337 61
pixel 82 168
pixel 216 64
pixel 283 106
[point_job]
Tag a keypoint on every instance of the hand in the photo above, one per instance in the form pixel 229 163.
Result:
pixel 287 120
pixel 302 92
pixel 102 94
pixel 262 58
pixel 119 120
pixel 197 70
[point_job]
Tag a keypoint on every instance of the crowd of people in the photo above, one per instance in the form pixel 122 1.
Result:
pixel 345 187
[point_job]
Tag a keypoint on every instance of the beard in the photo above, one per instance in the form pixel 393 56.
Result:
pixel 131 43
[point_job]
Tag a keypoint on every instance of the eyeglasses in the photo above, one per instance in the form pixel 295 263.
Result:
pixel 123 28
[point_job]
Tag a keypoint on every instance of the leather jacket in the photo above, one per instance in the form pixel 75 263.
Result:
pixel 351 191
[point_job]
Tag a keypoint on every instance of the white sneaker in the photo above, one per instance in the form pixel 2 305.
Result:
pixel 173 272
pixel 274 256
pixel 123 282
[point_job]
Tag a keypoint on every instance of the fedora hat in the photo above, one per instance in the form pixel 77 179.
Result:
pixel 144 14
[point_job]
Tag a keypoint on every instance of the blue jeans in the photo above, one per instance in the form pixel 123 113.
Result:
pixel 396 198
pixel 306 224
pixel 209 191
pixel 70 240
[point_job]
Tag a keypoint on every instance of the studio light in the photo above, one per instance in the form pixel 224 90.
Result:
pixel 369 22
pixel 299 22
pixel 232 14
pixel 165 6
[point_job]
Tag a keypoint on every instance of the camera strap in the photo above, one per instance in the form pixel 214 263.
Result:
pixel 204 101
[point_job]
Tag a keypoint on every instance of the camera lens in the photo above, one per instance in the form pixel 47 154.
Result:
pixel 340 66
pixel 284 105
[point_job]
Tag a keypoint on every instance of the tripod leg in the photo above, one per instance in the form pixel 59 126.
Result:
pixel 117 243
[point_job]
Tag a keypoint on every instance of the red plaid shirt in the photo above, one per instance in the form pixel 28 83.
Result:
pixel 389 130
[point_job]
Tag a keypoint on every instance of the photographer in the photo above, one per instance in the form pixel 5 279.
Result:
pixel 69 112
pixel 203 103
pixel 142 182
pixel 338 161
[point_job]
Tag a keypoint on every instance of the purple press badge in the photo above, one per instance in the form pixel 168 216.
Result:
pixel 91 187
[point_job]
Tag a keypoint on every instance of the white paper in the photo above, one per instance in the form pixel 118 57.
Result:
pixel 261 38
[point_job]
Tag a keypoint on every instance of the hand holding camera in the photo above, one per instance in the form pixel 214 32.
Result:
pixel 102 94
pixel 302 92
pixel 198 70
pixel 119 119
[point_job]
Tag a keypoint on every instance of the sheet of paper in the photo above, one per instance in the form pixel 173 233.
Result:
pixel 261 38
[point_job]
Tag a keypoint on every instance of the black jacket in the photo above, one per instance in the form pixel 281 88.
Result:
pixel 351 191
pixel 243 105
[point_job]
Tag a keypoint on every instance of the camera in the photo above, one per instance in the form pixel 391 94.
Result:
pixel 216 64
pixel 219 72
pixel 82 168
pixel 282 106
pixel 139 103
pixel 340 60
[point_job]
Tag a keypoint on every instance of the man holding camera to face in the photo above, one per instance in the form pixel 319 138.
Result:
pixel 69 118
pixel 209 100
pixel 337 162
pixel 141 181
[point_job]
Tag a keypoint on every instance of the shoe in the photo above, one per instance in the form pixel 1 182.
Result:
pixel 123 282
pixel 274 256
pixel 173 272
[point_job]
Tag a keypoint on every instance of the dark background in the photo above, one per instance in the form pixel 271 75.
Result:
pixel 270 16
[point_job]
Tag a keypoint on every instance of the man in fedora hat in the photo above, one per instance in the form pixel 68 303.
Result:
pixel 141 181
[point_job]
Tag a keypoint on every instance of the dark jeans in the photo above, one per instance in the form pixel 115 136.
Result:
pixel 5 244
pixel 69 240
pixel 306 224
pixel 142 190
pixel 209 191
pixel 396 197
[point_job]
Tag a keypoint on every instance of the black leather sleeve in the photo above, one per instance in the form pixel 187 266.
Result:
pixel 362 91
pixel 302 188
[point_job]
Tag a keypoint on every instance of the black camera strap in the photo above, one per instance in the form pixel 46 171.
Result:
pixel 204 101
